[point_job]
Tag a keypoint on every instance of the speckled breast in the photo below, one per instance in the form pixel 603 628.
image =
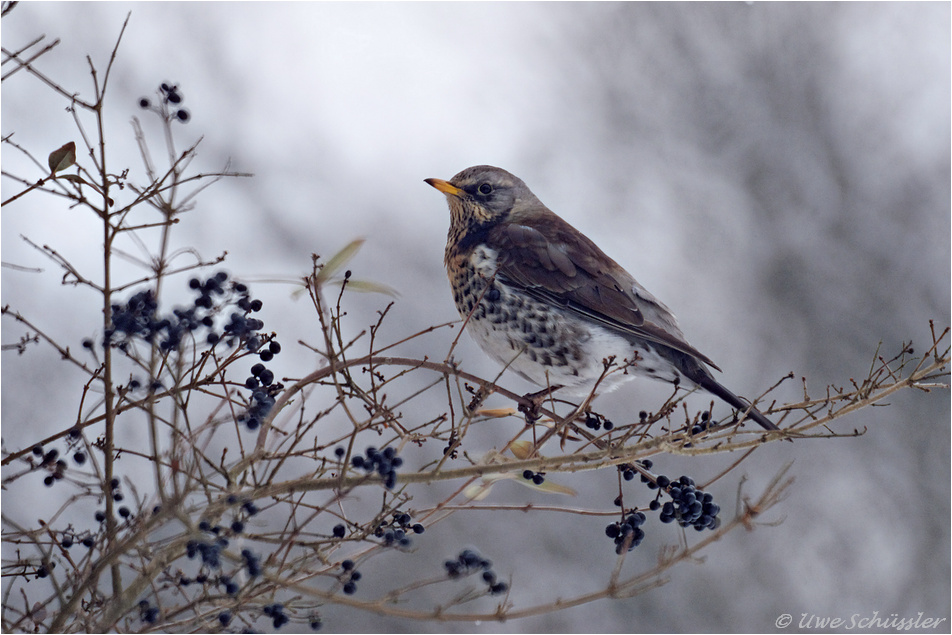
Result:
pixel 540 342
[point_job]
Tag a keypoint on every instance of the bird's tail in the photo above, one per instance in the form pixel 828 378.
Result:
pixel 708 383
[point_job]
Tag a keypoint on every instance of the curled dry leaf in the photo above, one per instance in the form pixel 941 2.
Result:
pixel 338 260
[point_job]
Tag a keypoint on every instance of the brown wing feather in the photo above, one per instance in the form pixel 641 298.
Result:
pixel 556 263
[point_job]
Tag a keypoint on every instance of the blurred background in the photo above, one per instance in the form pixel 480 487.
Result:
pixel 778 174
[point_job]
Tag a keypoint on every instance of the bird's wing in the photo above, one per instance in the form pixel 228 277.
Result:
pixel 555 263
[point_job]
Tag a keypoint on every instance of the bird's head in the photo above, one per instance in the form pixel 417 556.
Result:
pixel 484 195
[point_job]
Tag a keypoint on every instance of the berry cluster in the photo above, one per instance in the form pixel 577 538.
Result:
pixel 276 613
pixel 261 383
pixel 688 505
pixel 536 477
pixel 50 460
pixel 351 575
pixel 595 421
pixel 627 532
pixel 147 612
pixel 139 318
pixel 69 538
pixel 231 587
pixel 703 424
pixel 628 472
pixel 396 531
pixel 170 98
pixel 248 507
pixel 238 523
pixel 252 562
pixel 469 561
pixel 45 569
pixel 210 549
pixel 384 462
pixel 117 496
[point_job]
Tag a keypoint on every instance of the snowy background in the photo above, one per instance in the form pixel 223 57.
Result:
pixel 778 174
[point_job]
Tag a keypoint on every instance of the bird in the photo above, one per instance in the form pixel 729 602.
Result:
pixel 544 300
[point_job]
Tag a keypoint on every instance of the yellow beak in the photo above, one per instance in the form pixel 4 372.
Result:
pixel 446 187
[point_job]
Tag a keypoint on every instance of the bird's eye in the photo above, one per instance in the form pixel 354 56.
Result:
pixel 485 188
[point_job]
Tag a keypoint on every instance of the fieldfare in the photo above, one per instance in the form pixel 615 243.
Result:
pixel 540 297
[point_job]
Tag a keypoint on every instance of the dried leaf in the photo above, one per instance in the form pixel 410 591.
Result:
pixel 496 413
pixel 366 286
pixel 548 487
pixel 62 158
pixel 521 449
pixel 338 260
pixel 75 178
pixel 477 491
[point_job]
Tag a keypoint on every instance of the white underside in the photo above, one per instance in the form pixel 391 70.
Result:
pixel 598 345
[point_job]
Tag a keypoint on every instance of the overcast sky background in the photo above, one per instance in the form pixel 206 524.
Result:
pixel 778 174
